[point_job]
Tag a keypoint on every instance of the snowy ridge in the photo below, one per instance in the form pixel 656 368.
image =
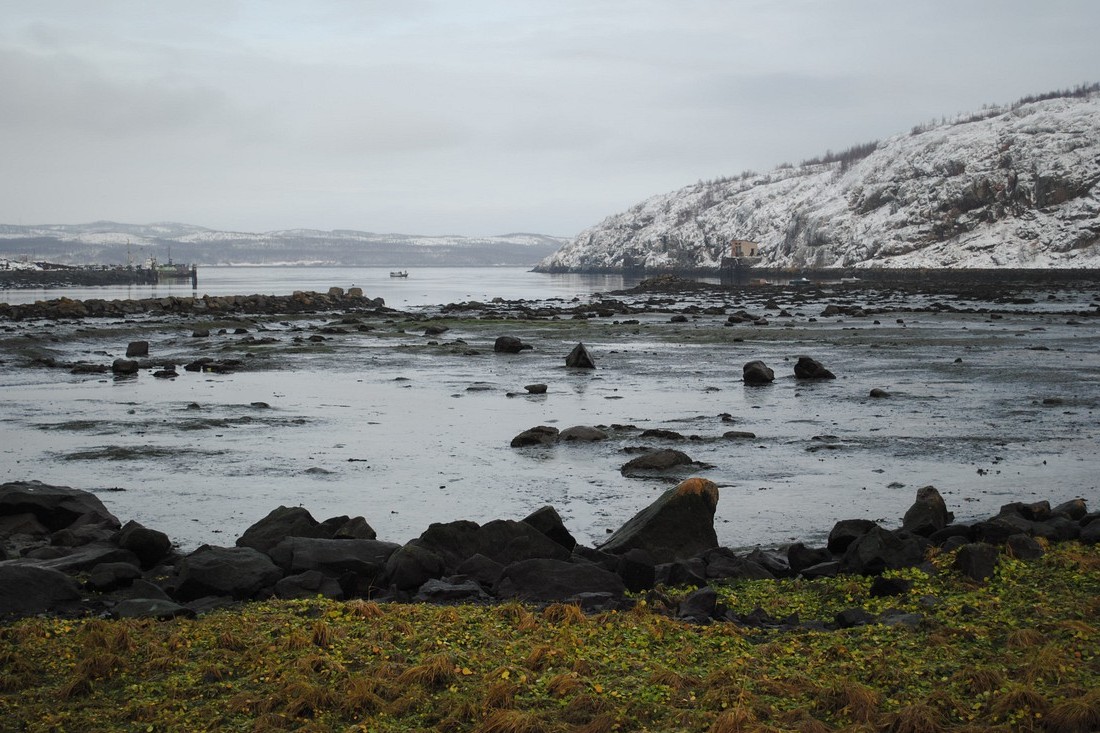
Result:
pixel 1013 187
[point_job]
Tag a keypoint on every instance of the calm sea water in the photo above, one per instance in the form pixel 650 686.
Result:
pixel 423 286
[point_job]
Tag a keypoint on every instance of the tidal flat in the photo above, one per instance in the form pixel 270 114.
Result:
pixel 406 416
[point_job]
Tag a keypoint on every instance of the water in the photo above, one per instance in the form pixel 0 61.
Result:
pixel 407 430
pixel 424 286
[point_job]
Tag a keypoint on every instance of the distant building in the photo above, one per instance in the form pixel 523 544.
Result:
pixel 743 248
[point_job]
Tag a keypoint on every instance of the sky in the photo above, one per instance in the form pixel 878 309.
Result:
pixel 478 117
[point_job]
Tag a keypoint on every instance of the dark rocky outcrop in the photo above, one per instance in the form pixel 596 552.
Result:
pixel 847 531
pixel 977 561
pixel 28 589
pixel 658 460
pixel 281 523
pixel 542 579
pixel 137 348
pixel 880 549
pixel 56 507
pixel 539 435
pixel 547 520
pixel 928 514
pixel 502 540
pixel 149 545
pixel 678 525
pixel 807 368
pixel 579 358
pixel 757 373
pixel 582 433
pixel 510 345
pixel 240 573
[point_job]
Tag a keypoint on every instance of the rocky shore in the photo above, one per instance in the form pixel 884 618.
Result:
pixel 64 553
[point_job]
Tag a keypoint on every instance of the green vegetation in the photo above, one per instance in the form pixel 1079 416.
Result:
pixel 1020 652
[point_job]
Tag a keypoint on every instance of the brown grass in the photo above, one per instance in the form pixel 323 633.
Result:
pixel 980 679
pixel 231 641
pixel 364 609
pixel 737 720
pixel 672 679
pixel 1025 639
pixel 564 614
pixel 541 657
pixel 564 684
pixel 916 718
pixel 1020 697
pixel 361 696
pixel 500 694
pixel 849 699
pixel 434 671
pixel 513 721
pixel 1079 714
pixel 305 699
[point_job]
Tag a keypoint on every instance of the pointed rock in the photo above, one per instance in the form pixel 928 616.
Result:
pixel 579 358
pixel 678 525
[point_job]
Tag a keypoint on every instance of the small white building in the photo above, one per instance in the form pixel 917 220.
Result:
pixel 743 248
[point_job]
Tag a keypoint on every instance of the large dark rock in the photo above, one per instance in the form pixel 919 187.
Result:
pixel 112 575
pixel 732 567
pixel 547 520
pixel 977 561
pixel 698 606
pixel 847 531
pixel 555 580
pixel 450 591
pixel 678 525
pixel 484 570
pixel 1022 547
pixel 155 608
pixel 137 348
pixel 509 345
pixel 236 572
pixel 56 507
pixel 365 559
pixel 83 559
pixel 502 540
pixel 658 460
pixel 928 514
pixel 28 589
pixel 539 435
pixel 411 567
pixel 880 550
pixel 579 358
pixel 309 584
pixel 150 545
pixel 800 557
pixel 125 367
pixel 807 368
pixel 757 373
pixel 1074 509
pixel 637 569
pixel 1090 533
pixel 582 434
pixel 1038 511
pixel 278 525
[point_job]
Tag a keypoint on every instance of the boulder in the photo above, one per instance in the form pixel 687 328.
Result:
pixel 847 531
pixel 28 589
pixel 880 550
pixel 692 571
pixel 484 570
pixel 579 358
pixel 678 525
pixel 124 367
pixel 450 591
pixel 240 573
pixel 539 435
pixel 149 545
pixel 977 560
pixel 547 520
pixel 85 558
pixel 698 606
pixel 928 514
pixel 1074 509
pixel 56 507
pixel 538 388
pixel 137 348
pixel 637 569
pixel 309 584
pixel 732 567
pixel 658 460
pixel 543 579
pixel 756 373
pixel 411 567
pixel 110 576
pixel 1090 533
pixel 800 557
pixel 807 368
pixel 355 528
pixel 278 525
pixel 502 540
pixel 363 559
pixel 509 345
pixel 582 433
pixel 878 393
pixel 1022 547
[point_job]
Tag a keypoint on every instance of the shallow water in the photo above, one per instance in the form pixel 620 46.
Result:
pixel 407 430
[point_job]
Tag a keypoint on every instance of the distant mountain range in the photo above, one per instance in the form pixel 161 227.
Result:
pixel 1012 186
pixel 105 242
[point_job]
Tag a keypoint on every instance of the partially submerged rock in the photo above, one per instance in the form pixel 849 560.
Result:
pixel 579 358
pixel 679 524
pixel 757 373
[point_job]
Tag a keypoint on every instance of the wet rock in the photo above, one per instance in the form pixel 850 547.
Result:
pixel 658 460
pixel 166 373
pixel 579 358
pixel 800 557
pixel 540 435
pixel 807 368
pixel 364 559
pixel 29 589
pixel 200 333
pixel 555 580
pixel 757 373
pixel 731 567
pixel 853 617
pixel 582 434
pixel 1090 533
pixel 450 591
pixel 124 367
pixel 698 606
pixel 109 576
pixel 1074 509
pixel 977 561
pixel 55 507
pixel 547 520
pixel 847 531
pixel 882 587
pixel 484 570
pixel 878 393
pixel 829 569
pixel 880 550
pixel 1023 547
pixel 149 545
pixel 509 345
pixel 637 569
pixel 535 388
pixel 678 525
pixel 738 435
pixel 1038 511
pixel 411 566
pixel 235 572
pixel 137 348
pixel 355 528
pixel 928 514
pixel 689 572
pixel 502 540
pixel 435 330
pixel 279 524
pixel 772 561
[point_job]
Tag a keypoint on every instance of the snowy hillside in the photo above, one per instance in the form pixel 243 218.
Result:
pixel 1010 187
pixel 115 243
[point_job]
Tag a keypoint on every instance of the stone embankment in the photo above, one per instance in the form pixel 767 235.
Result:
pixel 63 552
pixel 212 305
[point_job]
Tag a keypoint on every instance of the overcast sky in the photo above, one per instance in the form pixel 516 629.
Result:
pixel 478 117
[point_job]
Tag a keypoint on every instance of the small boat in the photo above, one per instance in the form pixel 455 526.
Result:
pixel 799 281
pixel 400 273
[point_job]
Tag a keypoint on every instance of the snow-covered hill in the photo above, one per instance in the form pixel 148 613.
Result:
pixel 1009 187
pixel 113 243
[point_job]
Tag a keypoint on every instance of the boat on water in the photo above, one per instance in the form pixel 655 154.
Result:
pixel 799 281
pixel 399 273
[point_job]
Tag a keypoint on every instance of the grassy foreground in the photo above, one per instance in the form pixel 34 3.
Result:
pixel 1020 652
